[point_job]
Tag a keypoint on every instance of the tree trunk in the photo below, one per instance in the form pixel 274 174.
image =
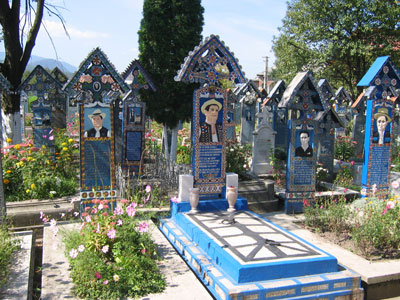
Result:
pixel 170 138
pixel 11 128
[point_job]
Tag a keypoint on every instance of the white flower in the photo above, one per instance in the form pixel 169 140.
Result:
pixel 73 253
pixel 104 249
pixel 395 185
pixel 81 248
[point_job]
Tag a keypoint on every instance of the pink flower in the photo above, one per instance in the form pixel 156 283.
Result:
pixel 143 251
pixel 73 253
pixel 390 205
pixel 105 249
pixel 130 210
pixel 112 233
pixel 51 137
pixel 105 282
pixel 119 222
pixel 81 248
pixel 118 211
pixel 174 199
pixel 352 163
pixel 148 189
pixel 98 275
pixel 143 227
pixel 124 201
pixel 88 219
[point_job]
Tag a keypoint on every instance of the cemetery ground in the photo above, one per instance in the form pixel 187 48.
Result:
pixel 369 248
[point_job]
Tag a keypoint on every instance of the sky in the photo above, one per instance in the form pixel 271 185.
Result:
pixel 247 27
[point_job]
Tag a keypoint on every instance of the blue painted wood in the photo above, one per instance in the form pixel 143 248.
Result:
pixel 373 71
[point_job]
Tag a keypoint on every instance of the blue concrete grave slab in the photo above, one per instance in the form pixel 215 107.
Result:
pixel 253 249
pixel 254 258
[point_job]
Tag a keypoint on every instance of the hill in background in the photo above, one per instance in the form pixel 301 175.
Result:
pixel 47 63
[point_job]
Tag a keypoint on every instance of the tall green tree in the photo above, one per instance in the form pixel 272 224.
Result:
pixel 20 22
pixel 336 39
pixel 168 31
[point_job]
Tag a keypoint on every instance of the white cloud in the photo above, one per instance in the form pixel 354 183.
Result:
pixel 56 29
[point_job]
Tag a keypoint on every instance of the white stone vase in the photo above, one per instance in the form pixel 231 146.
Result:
pixel 231 196
pixel 194 199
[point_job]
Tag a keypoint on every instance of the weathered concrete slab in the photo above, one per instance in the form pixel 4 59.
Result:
pixel 19 284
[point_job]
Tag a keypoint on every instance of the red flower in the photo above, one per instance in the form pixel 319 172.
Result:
pixel 98 275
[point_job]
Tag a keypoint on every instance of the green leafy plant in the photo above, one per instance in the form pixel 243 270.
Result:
pixel 322 173
pixel 36 173
pixel 238 158
pixel 329 214
pixel 344 148
pixel 277 161
pixel 147 196
pixel 113 256
pixel 7 247
pixel 344 177
pixel 377 228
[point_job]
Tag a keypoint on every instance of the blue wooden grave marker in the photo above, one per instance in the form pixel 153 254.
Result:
pixel 383 80
pixel 209 136
pixel 134 113
pixel 49 107
pixel 279 115
pixel 94 86
pixel 304 100
pixel 249 96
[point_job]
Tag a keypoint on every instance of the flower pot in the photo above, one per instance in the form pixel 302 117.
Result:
pixel 231 196
pixel 194 199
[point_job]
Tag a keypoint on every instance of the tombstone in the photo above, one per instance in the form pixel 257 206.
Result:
pixel 5 86
pixel 248 95
pixel 279 115
pixel 383 80
pixel 263 145
pixel 230 115
pixel 134 116
pixel 328 121
pixel 95 86
pixel 209 120
pixel 341 102
pixel 48 106
pixel 358 110
pixel 327 91
pixel 304 101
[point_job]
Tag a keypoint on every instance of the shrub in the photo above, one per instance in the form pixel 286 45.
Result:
pixel 344 148
pixel 238 158
pixel 113 256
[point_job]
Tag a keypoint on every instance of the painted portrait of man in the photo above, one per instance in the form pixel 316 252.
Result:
pixel 97 118
pixel 305 149
pixel 211 130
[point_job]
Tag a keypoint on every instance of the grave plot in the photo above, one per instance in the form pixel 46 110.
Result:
pixel 234 252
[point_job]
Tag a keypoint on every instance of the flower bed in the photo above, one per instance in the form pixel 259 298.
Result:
pixel 112 256
pixel 370 227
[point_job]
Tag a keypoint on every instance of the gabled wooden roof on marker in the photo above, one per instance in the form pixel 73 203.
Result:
pixel 294 87
pixel 326 89
pixel 322 116
pixel 342 96
pixel 37 71
pixel 384 75
pixel 199 65
pixel 276 94
pixel 133 66
pixel 85 64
